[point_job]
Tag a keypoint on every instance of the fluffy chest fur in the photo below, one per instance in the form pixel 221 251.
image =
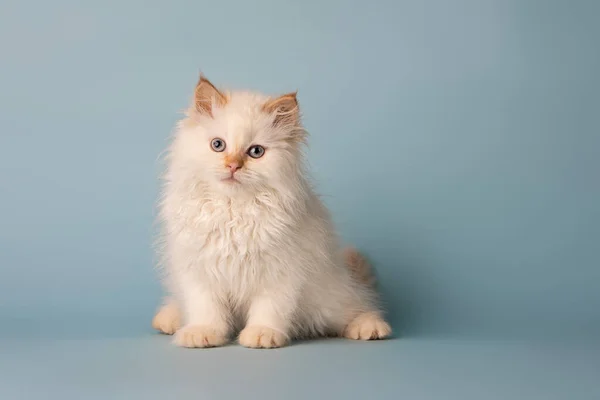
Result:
pixel 235 244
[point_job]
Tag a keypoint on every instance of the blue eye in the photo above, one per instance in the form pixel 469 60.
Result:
pixel 217 145
pixel 256 151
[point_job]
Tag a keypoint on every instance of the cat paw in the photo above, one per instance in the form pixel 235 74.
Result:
pixel 199 336
pixel 167 320
pixel 367 326
pixel 261 337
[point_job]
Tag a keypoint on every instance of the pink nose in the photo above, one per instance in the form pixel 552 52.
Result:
pixel 234 166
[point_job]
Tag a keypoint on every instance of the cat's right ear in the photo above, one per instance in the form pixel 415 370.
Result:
pixel 207 96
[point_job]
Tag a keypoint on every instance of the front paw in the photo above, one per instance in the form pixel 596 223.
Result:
pixel 167 320
pixel 368 326
pixel 199 336
pixel 261 337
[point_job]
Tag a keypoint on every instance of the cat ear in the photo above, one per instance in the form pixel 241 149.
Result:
pixel 285 108
pixel 206 96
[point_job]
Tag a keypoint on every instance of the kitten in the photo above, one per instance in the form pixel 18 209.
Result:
pixel 247 243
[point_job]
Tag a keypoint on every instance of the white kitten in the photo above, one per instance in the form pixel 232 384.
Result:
pixel 247 242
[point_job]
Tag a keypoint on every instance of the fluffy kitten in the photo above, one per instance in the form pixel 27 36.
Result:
pixel 247 243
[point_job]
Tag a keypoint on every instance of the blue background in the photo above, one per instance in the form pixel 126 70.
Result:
pixel 456 142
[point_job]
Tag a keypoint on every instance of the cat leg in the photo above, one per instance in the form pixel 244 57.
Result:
pixel 168 317
pixel 269 318
pixel 367 325
pixel 206 316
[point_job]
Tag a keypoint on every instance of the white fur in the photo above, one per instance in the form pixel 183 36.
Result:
pixel 262 253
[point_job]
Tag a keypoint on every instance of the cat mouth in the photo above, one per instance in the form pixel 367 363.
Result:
pixel 230 179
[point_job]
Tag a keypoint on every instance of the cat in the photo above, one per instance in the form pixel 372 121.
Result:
pixel 246 242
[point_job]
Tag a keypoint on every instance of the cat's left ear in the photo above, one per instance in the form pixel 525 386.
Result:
pixel 285 108
pixel 206 96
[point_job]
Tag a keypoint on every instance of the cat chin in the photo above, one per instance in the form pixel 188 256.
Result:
pixel 228 186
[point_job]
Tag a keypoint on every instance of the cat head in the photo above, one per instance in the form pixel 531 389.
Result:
pixel 237 142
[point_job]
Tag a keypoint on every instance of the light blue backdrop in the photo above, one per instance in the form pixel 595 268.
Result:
pixel 457 143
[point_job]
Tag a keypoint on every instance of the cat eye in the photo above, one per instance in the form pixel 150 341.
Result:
pixel 217 145
pixel 256 151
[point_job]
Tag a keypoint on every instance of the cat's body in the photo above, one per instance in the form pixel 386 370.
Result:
pixel 247 242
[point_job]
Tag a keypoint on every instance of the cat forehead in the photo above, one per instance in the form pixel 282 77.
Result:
pixel 244 114
pixel 246 103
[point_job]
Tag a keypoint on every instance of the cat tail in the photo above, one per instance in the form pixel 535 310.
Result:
pixel 359 267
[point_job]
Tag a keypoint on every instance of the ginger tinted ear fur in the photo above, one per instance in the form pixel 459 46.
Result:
pixel 206 96
pixel 286 110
